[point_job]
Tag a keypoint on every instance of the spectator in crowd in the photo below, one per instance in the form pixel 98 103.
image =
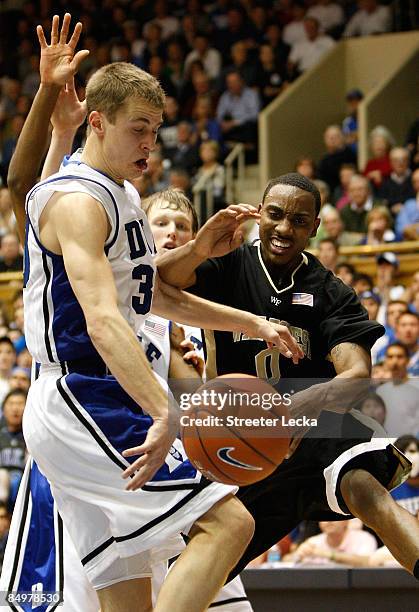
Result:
pixel 7 361
pixel 258 18
pixel 340 195
pixel 168 131
pixel 388 317
pixel 328 253
pixel 412 144
pixel 205 126
pixel 350 123
pixel 386 279
pixel 273 37
pixel 374 407
pixel 332 226
pixel 407 219
pixel 210 57
pixel 169 25
pixel 153 44
pixel 329 14
pixel 156 67
pixel 307 53
pixel 10 258
pixel 241 63
pixel 407 333
pixel 397 188
pixel 379 222
pixel 411 290
pixel 10 92
pixel 337 544
pixel 12 444
pixel 346 272
pixel 180 179
pixel 185 153
pixel 324 191
pixel 201 89
pixel 337 154
pixel 400 395
pixel 371 18
pixel 155 178
pixel 371 302
pixel 362 282
pixel 20 378
pixel 9 145
pixel 407 494
pixel 7 217
pixel 237 29
pixel 134 40
pixel 295 32
pixel 378 167
pixel 269 79
pixel 195 10
pixel 237 110
pixel 354 214
pixel 4 530
pixel 174 66
pixel 305 166
pixel 212 170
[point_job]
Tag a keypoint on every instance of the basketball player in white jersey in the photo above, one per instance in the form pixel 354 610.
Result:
pixel 66 233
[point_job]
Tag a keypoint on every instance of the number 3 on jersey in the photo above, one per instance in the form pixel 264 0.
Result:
pixel 144 273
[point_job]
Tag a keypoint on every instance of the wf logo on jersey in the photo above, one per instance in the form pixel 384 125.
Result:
pixel 275 300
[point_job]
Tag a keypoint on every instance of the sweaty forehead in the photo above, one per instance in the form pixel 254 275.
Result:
pixel 291 198
pixel 136 108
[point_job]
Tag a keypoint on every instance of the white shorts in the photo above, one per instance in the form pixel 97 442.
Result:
pixel 76 427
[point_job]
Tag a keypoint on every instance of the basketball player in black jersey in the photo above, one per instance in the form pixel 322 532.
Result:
pixel 346 466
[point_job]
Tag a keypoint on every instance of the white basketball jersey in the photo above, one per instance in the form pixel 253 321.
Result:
pixel 55 327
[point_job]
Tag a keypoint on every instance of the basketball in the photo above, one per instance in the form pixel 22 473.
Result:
pixel 234 429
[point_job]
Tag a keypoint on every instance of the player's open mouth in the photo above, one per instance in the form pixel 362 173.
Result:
pixel 169 245
pixel 141 164
pixel 280 246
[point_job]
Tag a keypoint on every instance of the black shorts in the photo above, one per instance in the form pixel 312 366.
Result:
pixel 307 486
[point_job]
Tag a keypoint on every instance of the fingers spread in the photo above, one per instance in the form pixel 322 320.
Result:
pixel 41 37
pixel 75 36
pixel 54 30
pixel 64 28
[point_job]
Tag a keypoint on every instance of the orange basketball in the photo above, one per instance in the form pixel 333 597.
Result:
pixel 234 429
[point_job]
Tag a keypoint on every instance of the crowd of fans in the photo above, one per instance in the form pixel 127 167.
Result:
pixel 220 63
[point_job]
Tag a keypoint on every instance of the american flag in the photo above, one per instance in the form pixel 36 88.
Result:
pixel 303 299
pixel 155 328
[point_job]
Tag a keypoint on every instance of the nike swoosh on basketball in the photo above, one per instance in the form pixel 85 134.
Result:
pixel 225 455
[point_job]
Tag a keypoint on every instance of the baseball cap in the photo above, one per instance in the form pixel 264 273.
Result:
pixel 354 94
pixel 388 258
pixel 370 295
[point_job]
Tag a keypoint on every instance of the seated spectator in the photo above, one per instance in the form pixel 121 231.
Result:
pixel 7 217
pixel 332 227
pixel 9 144
pixel 258 18
pixel 329 14
pixel 388 317
pixel 336 544
pixel 4 530
pixel 412 144
pixel 241 63
pixel 386 278
pixel 378 166
pixel 371 18
pixel 412 289
pixel 205 126
pixel 354 214
pixel 340 195
pixel 7 361
pixel 269 79
pixel 198 13
pixel 305 166
pixel 371 302
pixel 185 153
pixel 201 90
pixel 295 32
pixel 337 154
pixel 397 188
pixel 154 45
pixel 307 53
pixel 237 29
pixel 156 67
pixel 328 253
pixel 213 171
pixel 12 444
pixel 374 407
pixel 10 258
pixel 350 123
pixel 346 273
pixel 379 222
pixel 273 37
pixel 400 395
pixel 407 333
pixel 407 219
pixel 237 110
pixel 136 43
pixel 362 282
pixel 210 57
pixel 407 494
pixel 20 378
pixel 174 67
pixel 168 24
pixel 180 179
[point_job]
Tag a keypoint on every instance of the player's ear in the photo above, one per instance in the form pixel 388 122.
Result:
pixel 259 211
pixel 316 227
pixel 96 122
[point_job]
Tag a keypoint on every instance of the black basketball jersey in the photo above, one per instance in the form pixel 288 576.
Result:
pixel 320 310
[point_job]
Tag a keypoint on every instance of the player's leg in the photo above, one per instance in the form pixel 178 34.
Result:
pixel 368 500
pixel 226 527
pixel 120 597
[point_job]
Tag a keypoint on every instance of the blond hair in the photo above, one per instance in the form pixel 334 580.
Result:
pixel 110 86
pixel 175 199
pixel 380 211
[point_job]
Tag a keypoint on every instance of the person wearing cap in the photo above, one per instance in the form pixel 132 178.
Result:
pixel 387 268
pixel 350 123
pixel 371 301
pixel 354 214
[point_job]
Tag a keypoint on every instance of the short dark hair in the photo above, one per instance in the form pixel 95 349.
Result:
pixel 294 179
pixel 366 277
pixel 404 441
pixel 401 345
pixel 326 240
pixel 6 340
pixel 12 393
pixel 348 266
pixel 410 313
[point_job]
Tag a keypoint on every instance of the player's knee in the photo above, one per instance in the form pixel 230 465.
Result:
pixel 239 525
pixel 362 494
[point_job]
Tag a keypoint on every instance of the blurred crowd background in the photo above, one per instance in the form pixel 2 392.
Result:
pixel 221 62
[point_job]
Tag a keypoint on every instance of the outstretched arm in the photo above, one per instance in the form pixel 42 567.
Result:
pixel 58 65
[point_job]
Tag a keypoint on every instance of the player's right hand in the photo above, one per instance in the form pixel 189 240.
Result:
pixel 279 336
pixel 221 234
pixel 59 63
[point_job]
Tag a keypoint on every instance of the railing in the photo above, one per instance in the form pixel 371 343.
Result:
pixel 236 154
pixel 10 284
pixel 203 199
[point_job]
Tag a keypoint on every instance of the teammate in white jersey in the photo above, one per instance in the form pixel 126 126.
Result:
pixel 76 249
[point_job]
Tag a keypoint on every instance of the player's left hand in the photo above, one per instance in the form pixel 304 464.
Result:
pixel 59 62
pixel 69 112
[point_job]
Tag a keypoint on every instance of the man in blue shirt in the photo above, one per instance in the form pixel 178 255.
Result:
pixel 238 110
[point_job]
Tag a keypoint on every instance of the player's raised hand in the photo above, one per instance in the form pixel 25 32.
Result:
pixel 222 233
pixel 279 336
pixel 59 62
pixel 69 112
